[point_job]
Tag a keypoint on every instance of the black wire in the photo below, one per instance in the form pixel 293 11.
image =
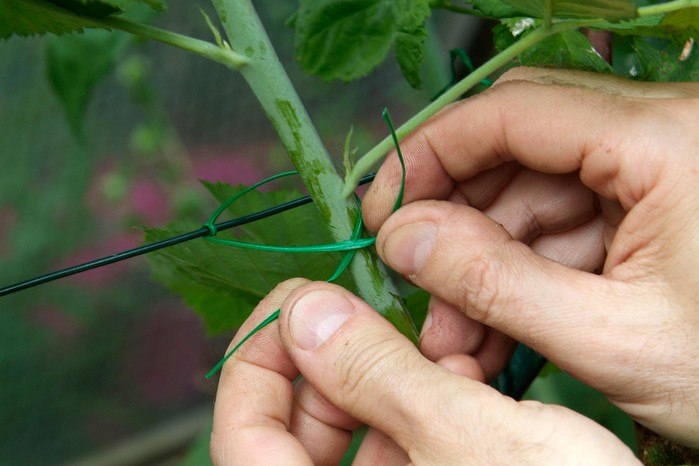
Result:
pixel 162 244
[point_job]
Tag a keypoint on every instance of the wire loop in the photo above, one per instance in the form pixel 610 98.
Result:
pixel 212 229
pixel 349 247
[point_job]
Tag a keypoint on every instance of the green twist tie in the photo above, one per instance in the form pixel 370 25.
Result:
pixel 349 247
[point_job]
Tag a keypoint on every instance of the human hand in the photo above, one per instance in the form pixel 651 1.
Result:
pixel 515 196
pixel 357 367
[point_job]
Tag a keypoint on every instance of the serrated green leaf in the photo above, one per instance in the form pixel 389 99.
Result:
pixel 37 17
pixel 639 25
pixel 662 62
pixel 223 283
pixel 29 18
pixel 412 14
pixel 410 54
pixel 76 63
pixel 90 8
pixel 104 7
pixel 343 39
pixel 611 10
pixel 497 9
pixel 410 39
pixel 510 30
pixel 221 311
pixel 346 39
pixel 684 20
pixel 569 49
pixel 678 25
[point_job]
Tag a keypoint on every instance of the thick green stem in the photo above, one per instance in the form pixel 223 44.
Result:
pixel 371 158
pixel 272 87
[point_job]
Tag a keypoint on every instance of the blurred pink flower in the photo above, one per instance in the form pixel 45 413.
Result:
pixel 8 220
pixel 217 165
pixel 57 320
pixel 149 203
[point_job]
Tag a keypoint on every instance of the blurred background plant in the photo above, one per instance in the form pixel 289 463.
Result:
pixel 108 356
pixel 108 367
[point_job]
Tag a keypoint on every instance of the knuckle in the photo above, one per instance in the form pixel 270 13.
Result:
pixel 478 284
pixel 373 366
pixel 359 369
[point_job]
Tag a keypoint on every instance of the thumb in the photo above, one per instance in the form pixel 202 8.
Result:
pixel 472 262
pixel 365 367
pixel 362 365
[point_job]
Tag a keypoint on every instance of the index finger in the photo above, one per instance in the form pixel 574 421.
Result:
pixel 550 125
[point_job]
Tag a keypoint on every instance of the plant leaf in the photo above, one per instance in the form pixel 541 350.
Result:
pixel 611 10
pixel 76 63
pixel 684 21
pixel 510 30
pixel 104 7
pixel 497 9
pixel 36 17
pixel 569 49
pixel 28 18
pixel 417 304
pixel 662 62
pixel 410 54
pixel 343 39
pixel 678 25
pixel 223 283
pixel 346 39
pixel 410 38
pixel 85 8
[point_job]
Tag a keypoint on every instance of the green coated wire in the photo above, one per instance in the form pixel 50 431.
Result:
pixel 211 223
pixel 350 246
pixel 466 60
pixel 387 118
pixel 353 244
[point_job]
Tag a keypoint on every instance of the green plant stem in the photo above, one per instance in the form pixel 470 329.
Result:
pixel 199 47
pixel 221 55
pixel 668 7
pixel 272 87
pixel 371 158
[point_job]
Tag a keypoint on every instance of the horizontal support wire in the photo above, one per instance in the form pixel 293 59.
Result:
pixel 202 232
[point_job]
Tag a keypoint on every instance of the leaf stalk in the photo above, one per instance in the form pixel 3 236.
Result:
pixel 205 49
pixel 668 7
pixel 222 55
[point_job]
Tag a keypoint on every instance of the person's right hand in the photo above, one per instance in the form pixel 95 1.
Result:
pixel 515 196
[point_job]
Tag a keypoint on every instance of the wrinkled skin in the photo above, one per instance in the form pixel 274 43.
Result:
pixel 558 209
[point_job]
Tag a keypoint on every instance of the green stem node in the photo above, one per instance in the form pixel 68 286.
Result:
pixel 222 55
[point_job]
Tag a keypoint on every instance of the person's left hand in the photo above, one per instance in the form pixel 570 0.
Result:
pixel 358 369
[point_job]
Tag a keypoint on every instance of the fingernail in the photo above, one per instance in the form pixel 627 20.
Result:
pixel 407 249
pixel 316 316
